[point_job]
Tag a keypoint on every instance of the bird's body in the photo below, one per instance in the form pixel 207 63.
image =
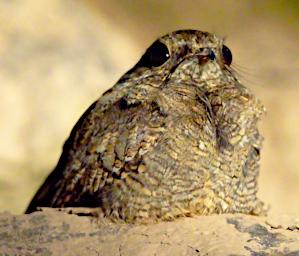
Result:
pixel 176 136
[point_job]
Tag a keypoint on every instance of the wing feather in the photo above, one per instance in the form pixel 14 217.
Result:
pixel 102 148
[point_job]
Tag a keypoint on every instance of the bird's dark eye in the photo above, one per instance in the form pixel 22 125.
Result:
pixel 227 55
pixel 156 55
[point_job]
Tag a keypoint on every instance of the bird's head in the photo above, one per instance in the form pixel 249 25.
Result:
pixel 182 55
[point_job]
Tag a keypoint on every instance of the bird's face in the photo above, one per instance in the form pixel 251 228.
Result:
pixel 185 55
pixel 196 61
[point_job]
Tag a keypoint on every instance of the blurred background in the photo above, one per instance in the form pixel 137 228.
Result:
pixel 58 56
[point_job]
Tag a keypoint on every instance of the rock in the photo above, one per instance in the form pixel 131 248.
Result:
pixel 51 232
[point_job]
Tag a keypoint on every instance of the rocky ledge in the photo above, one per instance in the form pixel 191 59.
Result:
pixel 50 232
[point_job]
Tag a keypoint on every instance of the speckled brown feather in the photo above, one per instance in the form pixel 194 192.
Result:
pixel 164 142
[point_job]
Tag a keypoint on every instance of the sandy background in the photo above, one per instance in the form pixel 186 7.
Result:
pixel 58 56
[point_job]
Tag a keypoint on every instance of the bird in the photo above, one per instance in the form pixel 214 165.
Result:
pixel 176 136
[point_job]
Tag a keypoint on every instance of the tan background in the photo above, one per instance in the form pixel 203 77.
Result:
pixel 58 56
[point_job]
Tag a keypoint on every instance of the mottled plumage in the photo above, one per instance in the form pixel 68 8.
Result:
pixel 175 136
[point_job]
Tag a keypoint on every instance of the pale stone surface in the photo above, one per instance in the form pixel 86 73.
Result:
pixel 55 233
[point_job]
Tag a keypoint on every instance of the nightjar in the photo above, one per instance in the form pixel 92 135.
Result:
pixel 175 136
